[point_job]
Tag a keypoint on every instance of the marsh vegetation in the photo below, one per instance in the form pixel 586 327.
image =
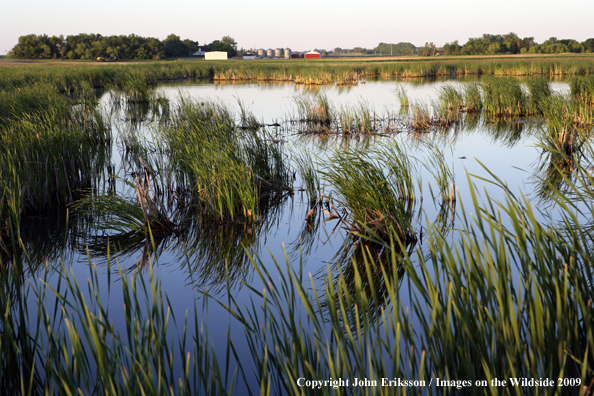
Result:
pixel 398 264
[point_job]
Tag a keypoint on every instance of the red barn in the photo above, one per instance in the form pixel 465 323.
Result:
pixel 312 55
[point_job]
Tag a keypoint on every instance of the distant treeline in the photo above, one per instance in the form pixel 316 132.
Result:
pixel 488 44
pixel 381 49
pixel 93 46
pixel 510 43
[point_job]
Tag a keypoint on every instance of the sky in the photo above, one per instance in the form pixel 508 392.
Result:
pixel 304 25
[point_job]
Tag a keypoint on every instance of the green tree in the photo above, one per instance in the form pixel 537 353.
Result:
pixel 220 46
pixel 175 47
pixel 452 48
pixel 228 40
pixel 428 50
pixel 588 45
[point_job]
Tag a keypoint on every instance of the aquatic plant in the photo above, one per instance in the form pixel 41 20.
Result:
pixel 227 171
pixel 503 97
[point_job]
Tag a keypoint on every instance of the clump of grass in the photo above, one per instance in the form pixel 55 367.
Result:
pixel 247 120
pixel 449 98
pixel 473 101
pixel 402 96
pixel 421 119
pixel 425 118
pixel 53 155
pixel 445 114
pixel 562 121
pixel 540 94
pixel 504 97
pixel 376 188
pixel 314 110
pixel 227 171
pixel 582 89
pixel 137 89
pixel 359 119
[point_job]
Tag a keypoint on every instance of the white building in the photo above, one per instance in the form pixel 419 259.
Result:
pixel 200 51
pixel 215 55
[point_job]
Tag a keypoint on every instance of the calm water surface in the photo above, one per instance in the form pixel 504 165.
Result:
pixel 197 261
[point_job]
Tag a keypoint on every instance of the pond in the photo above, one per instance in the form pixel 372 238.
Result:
pixel 206 257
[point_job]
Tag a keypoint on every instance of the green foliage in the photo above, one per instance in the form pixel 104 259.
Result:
pixel 377 187
pixel 175 47
pixel 428 50
pixel 93 46
pixel 504 97
pixel 229 172
pixel 395 49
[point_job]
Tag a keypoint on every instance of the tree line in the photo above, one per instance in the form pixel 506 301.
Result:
pixel 494 44
pixel 488 44
pixel 93 46
pixel 381 49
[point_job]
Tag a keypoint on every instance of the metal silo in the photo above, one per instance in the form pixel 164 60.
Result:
pixel 270 52
pixel 278 52
pixel 287 53
pixel 261 53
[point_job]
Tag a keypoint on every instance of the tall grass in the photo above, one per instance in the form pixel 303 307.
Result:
pixel 479 306
pixel 375 200
pixel 228 171
pixel 582 89
pixel 66 343
pixel 504 97
pixel 402 97
pixel 540 94
pixel 314 110
pixel 473 101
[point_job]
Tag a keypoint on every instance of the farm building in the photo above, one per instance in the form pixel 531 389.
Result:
pixel 215 55
pixel 296 56
pixel 200 51
pixel 249 56
pixel 312 55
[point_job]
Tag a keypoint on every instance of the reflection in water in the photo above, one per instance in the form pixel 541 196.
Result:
pixel 215 250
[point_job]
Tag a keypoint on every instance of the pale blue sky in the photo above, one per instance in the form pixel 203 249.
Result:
pixel 303 25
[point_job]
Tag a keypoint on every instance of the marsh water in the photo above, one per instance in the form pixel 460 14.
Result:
pixel 217 258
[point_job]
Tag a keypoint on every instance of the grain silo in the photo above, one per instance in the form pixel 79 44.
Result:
pixel 287 53
pixel 270 52
pixel 278 52
pixel 261 53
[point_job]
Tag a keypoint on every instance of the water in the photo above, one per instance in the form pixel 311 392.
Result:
pixel 198 259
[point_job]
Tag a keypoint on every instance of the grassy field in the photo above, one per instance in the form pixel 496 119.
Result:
pixel 321 71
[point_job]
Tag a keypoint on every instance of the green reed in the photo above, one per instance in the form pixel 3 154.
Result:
pixel 473 101
pixel 376 200
pixel 540 94
pixel 582 89
pixel 66 343
pixel 315 110
pixel 504 97
pixel 227 169
pixel 402 97
pixel 506 278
